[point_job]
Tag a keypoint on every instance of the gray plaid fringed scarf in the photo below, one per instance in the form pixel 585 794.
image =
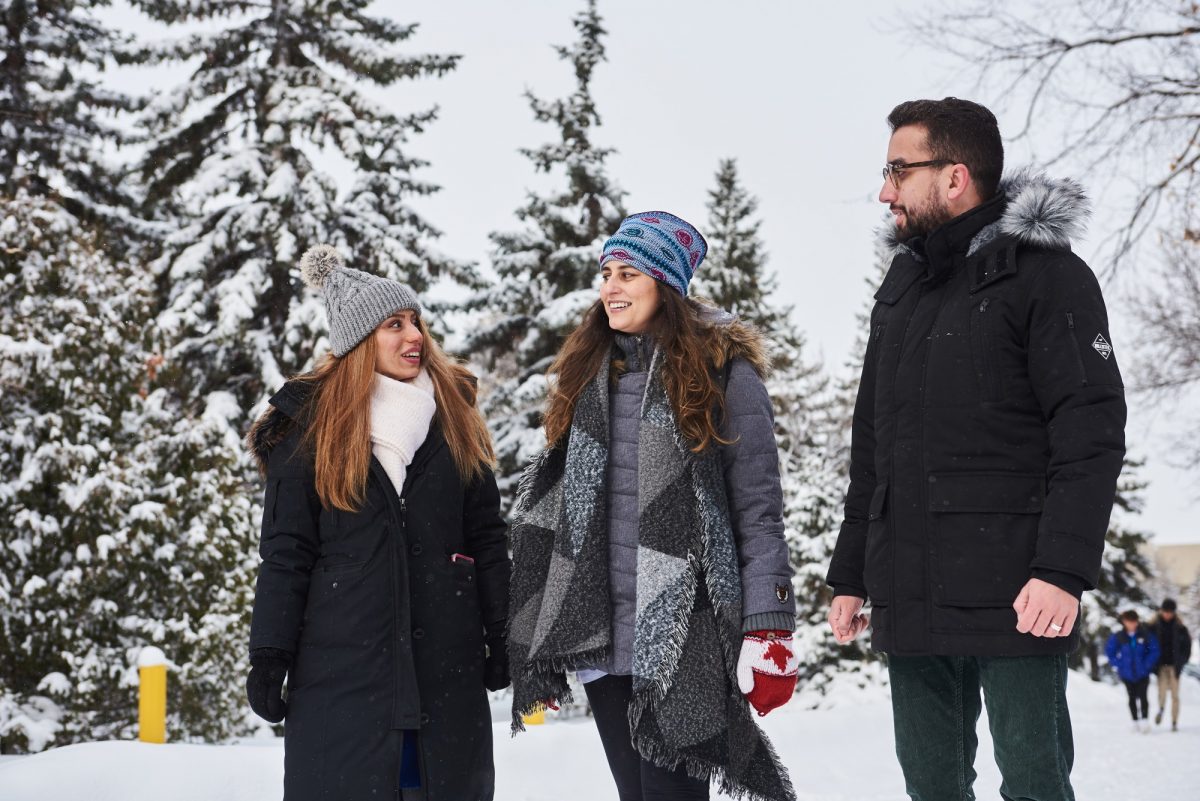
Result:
pixel 686 707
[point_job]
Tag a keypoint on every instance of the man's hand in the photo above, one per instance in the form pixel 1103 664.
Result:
pixel 846 618
pixel 1044 610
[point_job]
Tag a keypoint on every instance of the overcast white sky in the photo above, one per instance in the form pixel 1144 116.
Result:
pixel 798 96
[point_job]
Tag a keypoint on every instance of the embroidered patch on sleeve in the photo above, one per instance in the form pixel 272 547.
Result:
pixel 1102 347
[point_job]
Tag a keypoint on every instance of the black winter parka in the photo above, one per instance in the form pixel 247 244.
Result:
pixel 988 431
pixel 386 631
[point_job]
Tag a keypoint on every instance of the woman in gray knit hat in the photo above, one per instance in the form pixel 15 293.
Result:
pixel 382 595
pixel 648 550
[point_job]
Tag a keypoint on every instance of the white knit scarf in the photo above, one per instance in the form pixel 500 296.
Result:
pixel 401 412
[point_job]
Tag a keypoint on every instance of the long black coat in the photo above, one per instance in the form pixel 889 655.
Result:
pixel 386 631
pixel 988 431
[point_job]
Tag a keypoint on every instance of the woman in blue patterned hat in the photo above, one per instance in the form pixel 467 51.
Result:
pixel 648 539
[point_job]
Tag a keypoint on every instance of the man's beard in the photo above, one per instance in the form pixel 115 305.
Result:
pixel 921 221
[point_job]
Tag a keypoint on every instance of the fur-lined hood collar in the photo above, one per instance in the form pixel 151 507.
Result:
pixel 737 340
pixel 1039 211
pixel 283 414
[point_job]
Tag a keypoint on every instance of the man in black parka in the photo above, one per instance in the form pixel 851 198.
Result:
pixel 988 438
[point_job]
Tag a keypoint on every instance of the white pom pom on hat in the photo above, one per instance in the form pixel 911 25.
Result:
pixel 318 262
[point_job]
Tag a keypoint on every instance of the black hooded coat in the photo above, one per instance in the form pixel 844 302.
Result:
pixel 988 432
pixel 385 624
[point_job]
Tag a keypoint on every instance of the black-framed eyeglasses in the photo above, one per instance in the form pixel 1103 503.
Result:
pixel 894 170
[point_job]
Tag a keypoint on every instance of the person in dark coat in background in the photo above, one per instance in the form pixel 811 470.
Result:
pixel 1133 653
pixel 382 595
pixel 988 435
pixel 1175 642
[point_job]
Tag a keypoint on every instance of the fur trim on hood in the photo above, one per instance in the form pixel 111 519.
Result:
pixel 273 425
pixel 736 339
pixel 1042 212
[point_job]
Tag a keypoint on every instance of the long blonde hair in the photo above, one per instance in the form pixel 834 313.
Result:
pixel 339 415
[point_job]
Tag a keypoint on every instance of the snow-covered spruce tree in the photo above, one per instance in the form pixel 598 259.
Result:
pixel 734 274
pixel 101 546
pixel 234 159
pixel 735 277
pixel 830 658
pixel 1125 573
pixel 183 563
pixel 65 370
pixel 548 268
pixel 120 525
pixel 51 118
pixel 61 351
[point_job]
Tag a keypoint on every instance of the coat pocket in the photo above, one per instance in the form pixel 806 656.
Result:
pixel 877 565
pixel 462 575
pixel 337 603
pixel 467 617
pixel 983 353
pixel 984 532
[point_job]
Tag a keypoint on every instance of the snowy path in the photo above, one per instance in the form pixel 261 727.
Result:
pixel 843 754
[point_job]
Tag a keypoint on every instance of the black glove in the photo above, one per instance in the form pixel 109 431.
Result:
pixel 495 666
pixel 264 685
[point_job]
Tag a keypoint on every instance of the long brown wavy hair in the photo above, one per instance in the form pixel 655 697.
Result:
pixel 339 414
pixel 691 348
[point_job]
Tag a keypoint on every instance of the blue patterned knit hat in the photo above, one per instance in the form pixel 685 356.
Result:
pixel 660 245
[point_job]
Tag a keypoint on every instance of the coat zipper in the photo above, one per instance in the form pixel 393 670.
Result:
pixel 1075 346
pixel 895 596
pixel 393 545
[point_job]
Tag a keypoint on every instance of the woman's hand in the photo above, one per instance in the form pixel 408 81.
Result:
pixel 264 685
pixel 766 669
pixel 495 665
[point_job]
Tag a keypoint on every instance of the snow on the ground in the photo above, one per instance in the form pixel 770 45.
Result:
pixel 842 753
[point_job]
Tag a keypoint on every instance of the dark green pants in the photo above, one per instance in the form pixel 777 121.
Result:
pixel 936 706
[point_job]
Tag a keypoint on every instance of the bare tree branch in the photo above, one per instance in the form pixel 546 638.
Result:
pixel 1118 83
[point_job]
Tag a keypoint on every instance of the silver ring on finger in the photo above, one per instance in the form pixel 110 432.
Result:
pixel 1056 628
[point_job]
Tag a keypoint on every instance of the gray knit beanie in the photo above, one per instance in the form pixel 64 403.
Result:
pixel 355 302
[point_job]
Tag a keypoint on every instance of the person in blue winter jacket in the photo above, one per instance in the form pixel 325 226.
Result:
pixel 1134 653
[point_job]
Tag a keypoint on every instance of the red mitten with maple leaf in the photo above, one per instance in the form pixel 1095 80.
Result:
pixel 766 669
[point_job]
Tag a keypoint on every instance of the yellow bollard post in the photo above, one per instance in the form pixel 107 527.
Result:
pixel 535 718
pixel 152 695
